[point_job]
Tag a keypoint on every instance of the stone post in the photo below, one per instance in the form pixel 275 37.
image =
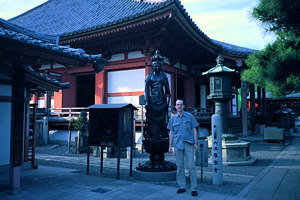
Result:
pixel 221 108
pixel 244 107
pixel 216 151
pixel 45 130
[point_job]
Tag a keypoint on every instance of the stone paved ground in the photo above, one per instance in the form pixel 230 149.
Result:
pixel 235 178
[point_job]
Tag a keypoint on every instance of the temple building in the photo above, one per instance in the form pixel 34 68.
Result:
pixel 21 52
pixel 127 33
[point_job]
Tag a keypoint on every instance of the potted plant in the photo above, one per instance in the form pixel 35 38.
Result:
pixel 82 137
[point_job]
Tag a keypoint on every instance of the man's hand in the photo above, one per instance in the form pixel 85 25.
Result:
pixel 171 150
pixel 195 147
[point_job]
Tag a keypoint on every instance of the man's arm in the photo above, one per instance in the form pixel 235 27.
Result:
pixel 196 139
pixel 170 142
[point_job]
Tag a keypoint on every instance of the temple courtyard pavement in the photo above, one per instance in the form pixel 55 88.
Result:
pixel 62 175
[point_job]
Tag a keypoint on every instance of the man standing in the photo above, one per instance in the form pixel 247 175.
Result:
pixel 183 134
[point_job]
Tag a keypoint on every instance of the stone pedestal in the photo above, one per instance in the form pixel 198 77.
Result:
pixel 235 152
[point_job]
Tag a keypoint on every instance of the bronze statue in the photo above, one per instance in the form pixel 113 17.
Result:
pixel 157 94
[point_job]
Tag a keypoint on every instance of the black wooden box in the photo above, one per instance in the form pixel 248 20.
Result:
pixel 111 125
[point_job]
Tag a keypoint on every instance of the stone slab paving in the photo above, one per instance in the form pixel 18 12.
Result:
pixel 280 180
pixel 60 183
pixel 268 179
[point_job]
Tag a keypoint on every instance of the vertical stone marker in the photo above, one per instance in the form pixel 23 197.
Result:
pixel 216 151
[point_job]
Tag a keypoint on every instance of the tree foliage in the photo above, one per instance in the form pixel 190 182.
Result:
pixel 277 67
pixel 278 15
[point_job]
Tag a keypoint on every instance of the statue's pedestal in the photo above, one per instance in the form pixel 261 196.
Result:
pixel 234 152
pixel 154 176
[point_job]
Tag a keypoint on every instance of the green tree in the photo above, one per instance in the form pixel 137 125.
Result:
pixel 277 67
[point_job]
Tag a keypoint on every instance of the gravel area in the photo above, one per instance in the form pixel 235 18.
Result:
pixel 235 178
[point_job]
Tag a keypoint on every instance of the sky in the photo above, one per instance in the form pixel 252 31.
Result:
pixel 223 20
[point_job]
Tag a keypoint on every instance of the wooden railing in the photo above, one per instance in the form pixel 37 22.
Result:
pixel 197 112
pixel 69 113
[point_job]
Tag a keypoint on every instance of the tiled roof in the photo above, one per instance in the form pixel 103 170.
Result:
pixel 58 17
pixel 33 39
pixel 71 17
pixel 13 33
pixel 47 79
pixel 233 49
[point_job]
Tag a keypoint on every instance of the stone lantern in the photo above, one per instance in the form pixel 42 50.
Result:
pixel 220 90
pixel 234 151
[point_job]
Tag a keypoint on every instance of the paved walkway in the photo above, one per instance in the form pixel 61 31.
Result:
pixel 281 180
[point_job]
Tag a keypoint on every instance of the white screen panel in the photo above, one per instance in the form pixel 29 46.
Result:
pixel 126 81
pixel 135 54
pixel 134 100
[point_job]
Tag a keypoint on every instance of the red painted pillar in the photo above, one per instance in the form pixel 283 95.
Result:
pixel 100 88
pixel 35 98
pixel 148 63
pixel 58 99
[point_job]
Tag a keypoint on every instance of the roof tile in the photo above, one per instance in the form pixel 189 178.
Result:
pixel 70 17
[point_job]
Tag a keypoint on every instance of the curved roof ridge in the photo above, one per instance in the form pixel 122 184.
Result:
pixel 145 9
pixel 231 48
pixel 40 36
pixel 19 34
pixel 104 14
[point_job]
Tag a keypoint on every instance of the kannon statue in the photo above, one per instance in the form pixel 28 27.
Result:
pixel 157 96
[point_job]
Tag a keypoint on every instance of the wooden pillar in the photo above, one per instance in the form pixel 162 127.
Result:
pixel 26 135
pixel 69 95
pixel 58 99
pixel 244 107
pixel 148 62
pixel 203 96
pixel 17 123
pixel 190 93
pixel 100 87
pixel 48 99
pixel 35 98
pixel 252 108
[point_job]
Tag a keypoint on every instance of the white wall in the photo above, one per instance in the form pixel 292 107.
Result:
pixel 5 123
pixel 134 100
pixel 126 81
pixel 135 54
pixel 117 57
pixel 41 103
